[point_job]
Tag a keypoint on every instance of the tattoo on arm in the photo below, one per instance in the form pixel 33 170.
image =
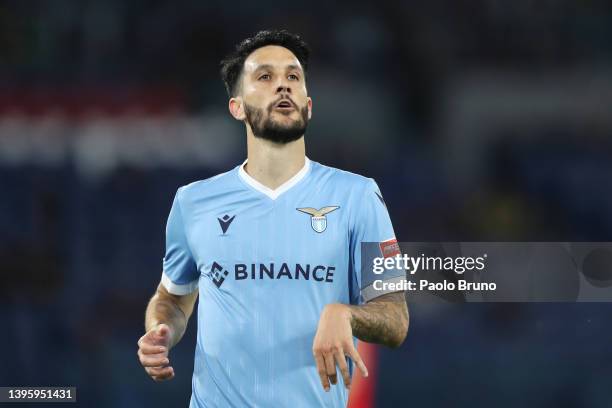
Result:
pixel 383 320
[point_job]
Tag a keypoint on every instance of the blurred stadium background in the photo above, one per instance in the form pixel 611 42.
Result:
pixel 481 120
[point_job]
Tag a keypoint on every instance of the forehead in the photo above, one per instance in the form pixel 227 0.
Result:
pixel 274 55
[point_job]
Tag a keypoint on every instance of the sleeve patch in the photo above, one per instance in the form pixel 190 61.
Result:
pixel 389 248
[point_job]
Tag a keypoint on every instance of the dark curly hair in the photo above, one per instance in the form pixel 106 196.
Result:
pixel 231 66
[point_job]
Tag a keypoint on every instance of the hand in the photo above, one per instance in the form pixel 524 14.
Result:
pixel 153 353
pixel 332 343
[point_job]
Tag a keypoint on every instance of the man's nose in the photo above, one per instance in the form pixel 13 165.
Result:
pixel 283 88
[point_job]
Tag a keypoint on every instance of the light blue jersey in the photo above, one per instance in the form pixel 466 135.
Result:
pixel 266 262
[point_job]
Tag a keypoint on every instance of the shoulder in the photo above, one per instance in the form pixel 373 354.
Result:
pixel 343 179
pixel 206 188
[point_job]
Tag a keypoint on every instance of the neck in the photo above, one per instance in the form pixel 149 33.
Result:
pixel 272 164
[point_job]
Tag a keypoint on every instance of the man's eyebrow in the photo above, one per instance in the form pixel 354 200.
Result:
pixel 268 67
pixel 292 67
pixel 263 67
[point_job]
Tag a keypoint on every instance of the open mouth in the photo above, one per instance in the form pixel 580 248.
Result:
pixel 284 105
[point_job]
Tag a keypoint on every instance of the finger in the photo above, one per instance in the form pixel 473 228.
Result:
pixel 163 330
pixel 160 372
pixel 157 360
pixel 160 336
pixel 144 340
pixel 149 338
pixel 147 348
pixel 166 375
pixel 164 378
pixel 354 355
pixel 322 372
pixel 341 361
pixel 330 368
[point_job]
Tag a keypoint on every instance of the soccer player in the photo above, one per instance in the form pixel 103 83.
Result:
pixel 273 248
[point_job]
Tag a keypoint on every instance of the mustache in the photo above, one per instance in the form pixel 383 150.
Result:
pixel 282 98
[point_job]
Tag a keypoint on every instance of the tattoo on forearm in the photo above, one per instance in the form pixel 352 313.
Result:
pixel 383 320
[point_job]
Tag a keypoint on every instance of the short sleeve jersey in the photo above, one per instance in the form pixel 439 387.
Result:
pixel 266 262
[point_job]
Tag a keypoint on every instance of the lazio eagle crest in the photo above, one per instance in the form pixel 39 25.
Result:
pixel 318 221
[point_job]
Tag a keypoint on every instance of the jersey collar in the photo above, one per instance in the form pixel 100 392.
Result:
pixel 274 194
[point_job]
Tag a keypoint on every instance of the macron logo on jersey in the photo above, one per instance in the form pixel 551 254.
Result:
pixel 225 222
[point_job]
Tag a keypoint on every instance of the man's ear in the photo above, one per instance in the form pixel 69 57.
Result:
pixel 236 108
pixel 309 108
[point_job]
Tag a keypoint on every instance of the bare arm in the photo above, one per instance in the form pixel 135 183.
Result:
pixel 165 323
pixel 171 310
pixel 383 320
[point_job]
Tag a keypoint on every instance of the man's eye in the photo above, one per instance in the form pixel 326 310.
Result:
pixel 293 77
pixel 265 77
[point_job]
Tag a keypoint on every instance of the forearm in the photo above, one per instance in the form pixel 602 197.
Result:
pixel 383 320
pixel 163 309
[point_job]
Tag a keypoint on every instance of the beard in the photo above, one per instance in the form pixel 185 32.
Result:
pixel 265 127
